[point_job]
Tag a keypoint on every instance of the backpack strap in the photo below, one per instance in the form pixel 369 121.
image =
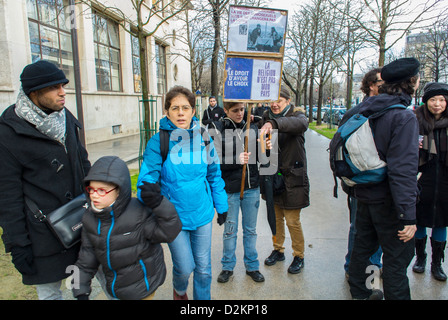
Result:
pixel 165 142
pixel 380 113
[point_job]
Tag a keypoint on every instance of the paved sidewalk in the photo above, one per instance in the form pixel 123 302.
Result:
pixel 325 225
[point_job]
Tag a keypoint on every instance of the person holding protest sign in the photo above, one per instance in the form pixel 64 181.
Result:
pixel 291 124
pixel 233 159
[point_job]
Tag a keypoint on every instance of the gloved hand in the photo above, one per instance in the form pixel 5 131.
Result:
pixel 222 218
pixel 150 194
pixel 22 258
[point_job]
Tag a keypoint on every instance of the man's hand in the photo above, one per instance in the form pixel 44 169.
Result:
pixel 407 233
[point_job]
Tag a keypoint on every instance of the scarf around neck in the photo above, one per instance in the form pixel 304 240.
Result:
pixel 281 114
pixel 432 147
pixel 52 125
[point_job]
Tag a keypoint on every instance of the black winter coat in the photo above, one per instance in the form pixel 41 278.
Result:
pixel 292 158
pixel 125 238
pixel 432 207
pixel 396 138
pixel 37 166
pixel 231 147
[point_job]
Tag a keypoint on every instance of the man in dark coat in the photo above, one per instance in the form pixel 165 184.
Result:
pixel 213 112
pixel 386 210
pixel 291 124
pixel 41 158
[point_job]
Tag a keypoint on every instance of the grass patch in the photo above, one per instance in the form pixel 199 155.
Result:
pixel 11 286
pixel 323 129
pixel 134 177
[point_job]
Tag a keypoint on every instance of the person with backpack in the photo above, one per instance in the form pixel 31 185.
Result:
pixel 291 124
pixel 189 177
pixel 386 213
pixel 232 130
pixel 432 207
pixel 369 86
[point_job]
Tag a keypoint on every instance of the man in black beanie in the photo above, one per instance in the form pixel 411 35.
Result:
pixel 43 159
pixel 386 213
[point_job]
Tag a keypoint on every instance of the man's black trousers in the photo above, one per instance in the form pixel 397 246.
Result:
pixel 378 224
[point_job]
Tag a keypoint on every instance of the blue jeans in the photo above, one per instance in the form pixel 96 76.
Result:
pixel 191 252
pixel 438 234
pixel 49 291
pixel 376 257
pixel 249 211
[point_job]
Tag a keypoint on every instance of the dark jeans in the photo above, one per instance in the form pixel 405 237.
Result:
pixel 378 224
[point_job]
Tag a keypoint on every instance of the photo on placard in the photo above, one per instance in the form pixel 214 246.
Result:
pixel 257 30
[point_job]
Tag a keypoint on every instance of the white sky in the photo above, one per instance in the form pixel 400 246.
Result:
pixel 290 5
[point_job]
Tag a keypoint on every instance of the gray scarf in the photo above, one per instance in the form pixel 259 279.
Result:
pixel 281 114
pixel 52 125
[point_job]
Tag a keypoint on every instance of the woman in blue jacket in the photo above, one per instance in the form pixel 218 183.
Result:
pixel 190 177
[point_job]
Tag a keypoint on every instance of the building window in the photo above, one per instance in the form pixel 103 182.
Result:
pixel 50 38
pixel 136 64
pixel 107 53
pixel 161 68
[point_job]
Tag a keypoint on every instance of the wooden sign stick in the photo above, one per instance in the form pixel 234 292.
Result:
pixel 246 145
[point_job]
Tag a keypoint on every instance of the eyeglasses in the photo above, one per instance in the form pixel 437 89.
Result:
pixel 185 108
pixel 100 191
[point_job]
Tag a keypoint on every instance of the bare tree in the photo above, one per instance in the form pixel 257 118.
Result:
pixel 383 17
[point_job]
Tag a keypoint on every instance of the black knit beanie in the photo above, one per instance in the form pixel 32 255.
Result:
pixel 432 89
pixel 284 93
pixel 41 74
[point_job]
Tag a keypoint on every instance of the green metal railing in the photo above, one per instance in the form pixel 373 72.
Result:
pixel 146 134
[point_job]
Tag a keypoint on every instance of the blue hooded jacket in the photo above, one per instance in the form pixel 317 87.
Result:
pixel 190 177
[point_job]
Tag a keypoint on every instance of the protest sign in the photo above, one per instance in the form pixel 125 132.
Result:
pixel 255 30
pixel 252 79
pixel 254 57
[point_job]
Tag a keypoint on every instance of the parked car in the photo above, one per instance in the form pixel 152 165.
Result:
pixel 338 115
pixel 326 117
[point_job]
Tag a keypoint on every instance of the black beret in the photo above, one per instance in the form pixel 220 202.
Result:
pixel 41 74
pixel 432 89
pixel 400 70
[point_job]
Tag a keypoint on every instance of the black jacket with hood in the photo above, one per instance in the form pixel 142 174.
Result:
pixel 230 150
pixel 124 238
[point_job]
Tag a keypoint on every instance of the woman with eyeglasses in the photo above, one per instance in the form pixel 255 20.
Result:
pixel 189 176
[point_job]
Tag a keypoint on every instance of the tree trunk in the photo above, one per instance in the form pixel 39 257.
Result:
pixel 214 67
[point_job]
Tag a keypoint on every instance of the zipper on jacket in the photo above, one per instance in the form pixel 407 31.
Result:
pixel 108 253
pixel 99 227
pixel 144 274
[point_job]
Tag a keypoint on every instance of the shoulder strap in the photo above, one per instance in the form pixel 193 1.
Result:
pixel 164 143
pixel 380 113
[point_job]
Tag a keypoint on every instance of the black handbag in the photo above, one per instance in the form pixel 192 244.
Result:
pixel 65 221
